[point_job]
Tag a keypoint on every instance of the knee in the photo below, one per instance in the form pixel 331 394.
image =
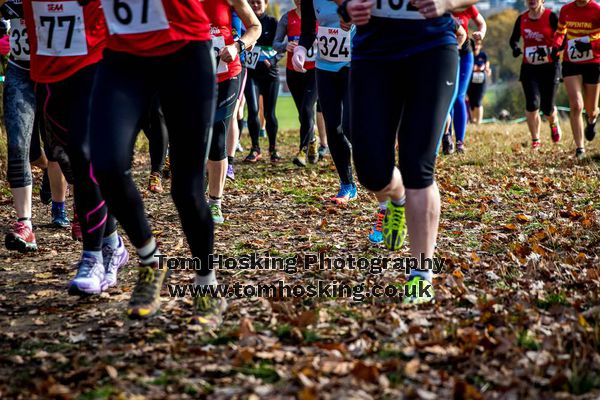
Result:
pixel 576 106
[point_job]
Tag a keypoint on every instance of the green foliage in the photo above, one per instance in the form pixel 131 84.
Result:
pixel 504 66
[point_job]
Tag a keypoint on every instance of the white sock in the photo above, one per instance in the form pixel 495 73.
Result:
pixel 206 280
pixel 383 205
pixel 148 252
pixel 426 274
pixel 111 240
pixel 399 202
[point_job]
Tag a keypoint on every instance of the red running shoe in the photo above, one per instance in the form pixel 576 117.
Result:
pixel 20 238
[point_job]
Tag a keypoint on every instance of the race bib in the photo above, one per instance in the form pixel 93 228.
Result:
pixel 218 43
pixel 19 41
pixel 60 28
pixel 134 16
pixel 478 77
pixel 397 9
pixel 580 49
pixel 251 57
pixel 537 55
pixel 334 44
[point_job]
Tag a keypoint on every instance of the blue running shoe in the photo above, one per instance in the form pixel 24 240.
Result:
pixel 346 193
pixel 376 234
pixel 59 218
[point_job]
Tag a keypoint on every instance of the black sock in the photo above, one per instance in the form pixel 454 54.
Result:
pixel 230 160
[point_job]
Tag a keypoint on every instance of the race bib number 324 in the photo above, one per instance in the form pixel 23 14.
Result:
pixel 134 16
pixel 334 44
pixel 60 28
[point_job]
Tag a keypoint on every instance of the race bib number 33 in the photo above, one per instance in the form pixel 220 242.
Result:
pixel 397 9
pixel 134 16
pixel 19 42
pixel 60 28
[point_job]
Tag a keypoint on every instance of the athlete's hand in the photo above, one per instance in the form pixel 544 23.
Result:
pixel 517 52
pixel 4 45
pixel 478 35
pixel 228 53
pixel 360 11
pixel 267 63
pixel 291 45
pixel 299 58
pixel 555 53
pixel 433 8
pixel 346 26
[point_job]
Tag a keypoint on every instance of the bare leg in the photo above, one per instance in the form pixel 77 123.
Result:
pixel 58 184
pixel 533 122
pixel 22 201
pixel 422 219
pixel 574 85
pixel 321 129
pixel 216 177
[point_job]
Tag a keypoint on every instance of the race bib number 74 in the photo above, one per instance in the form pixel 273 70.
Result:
pixel 60 28
pixel 397 9
pixel 134 16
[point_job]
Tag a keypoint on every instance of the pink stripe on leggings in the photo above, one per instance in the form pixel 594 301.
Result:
pixel 97 226
pixel 99 206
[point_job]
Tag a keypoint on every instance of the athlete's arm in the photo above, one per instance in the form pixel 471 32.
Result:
pixel 559 34
pixel 515 37
pixel 253 30
pixel 308 21
pixel 437 8
pixel 280 43
pixel 461 35
pixel 488 69
pixel 479 34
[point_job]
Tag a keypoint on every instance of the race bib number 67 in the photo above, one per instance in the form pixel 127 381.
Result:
pixel 397 9
pixel 60 28
pixel 134 16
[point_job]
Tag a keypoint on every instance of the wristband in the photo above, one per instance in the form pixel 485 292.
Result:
pixel 343 11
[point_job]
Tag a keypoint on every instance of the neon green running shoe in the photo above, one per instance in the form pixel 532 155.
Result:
pixel 394 226
pixel 418 291
pixel 217 214
pixel 145 298
pixel 208 312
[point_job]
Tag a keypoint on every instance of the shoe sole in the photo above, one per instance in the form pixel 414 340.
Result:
pixel 59 226
pixel 298 163
pixel 252 161
pixel 219 221
pixel 13 243
pixel 74 290
pixel 231 178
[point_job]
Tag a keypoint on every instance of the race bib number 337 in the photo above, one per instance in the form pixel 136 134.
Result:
pixel 397 9
pixel 60 28
pixel 135 16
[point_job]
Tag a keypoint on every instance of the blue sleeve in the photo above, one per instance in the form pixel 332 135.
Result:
pixel 236 26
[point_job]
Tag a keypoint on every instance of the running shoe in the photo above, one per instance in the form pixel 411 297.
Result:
pixel 113 260
pixel 580 153
pixel 262 133
pixel 230 173
pixel 300 159
pixel 313 152
pixel 555 132
pixel 155 183
pixel 76 233
pixel 208 312
pixel 59 218
pixel 460 146
pixel 254 155
pixel 590 130
pixel 145 299
pixel 89 278
pixel 275 156
pixel 536 144
pixel 217 214
pixel 376 234
pixel 239 147
pixel 346 193
pixel 20 238
pixel 447 144
pixel 166 173
pixel 418 291
pixel 394 226
pixel 45 192
pixel 323 152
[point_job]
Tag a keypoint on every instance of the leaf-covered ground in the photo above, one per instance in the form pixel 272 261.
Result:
pixel 517 312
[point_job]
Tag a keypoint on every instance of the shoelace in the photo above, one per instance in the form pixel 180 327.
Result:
pixel 379 223
pixel 21 229
pixel 345 191
pixel 86 268
pixel 397 219
pixel 144 288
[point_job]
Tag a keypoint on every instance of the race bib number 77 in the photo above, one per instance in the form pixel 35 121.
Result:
pixel 60 28
pixel 134 16
pixel 397 9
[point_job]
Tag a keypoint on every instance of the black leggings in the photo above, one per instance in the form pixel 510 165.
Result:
pixel 155 129
pixel 226 98
pixel 302 85
pixel 267 86
pixel 125 86
pixel 66 107
pixel 408 99
pixel 540 83
pixel 334 100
